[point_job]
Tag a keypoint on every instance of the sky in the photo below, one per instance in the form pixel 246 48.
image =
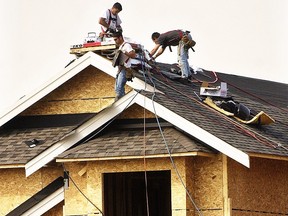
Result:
pixel 247 37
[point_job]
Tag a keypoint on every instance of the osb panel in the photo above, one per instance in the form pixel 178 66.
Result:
pixel 75 202
pixel 15 187
pixel 69 107
pixel 91 182
pixel 248 213
pixel 178 192
pixel 89 83
pixel 190 184
pixel 89 91
pixel 136 111
pixel 48 174
pixel 208 182
pixel 262 188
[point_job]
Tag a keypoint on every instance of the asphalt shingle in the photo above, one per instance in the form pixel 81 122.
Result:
pixel 134 142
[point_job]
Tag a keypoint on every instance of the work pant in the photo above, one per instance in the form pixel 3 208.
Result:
pixel 183 58
pixel 120 83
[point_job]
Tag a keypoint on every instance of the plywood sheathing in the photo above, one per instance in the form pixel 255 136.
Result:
pixel 89 91
pixel 16 188
pixel 260 190
pixel 136 112
pixel 92 186
pixel 74 200
pixel 208 184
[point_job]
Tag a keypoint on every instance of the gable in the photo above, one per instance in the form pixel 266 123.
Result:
pixel 90 91
pixel 66 74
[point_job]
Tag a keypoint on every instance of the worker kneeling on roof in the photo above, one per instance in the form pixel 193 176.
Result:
pixel 179 38
pixel 122 59
pixel 110 20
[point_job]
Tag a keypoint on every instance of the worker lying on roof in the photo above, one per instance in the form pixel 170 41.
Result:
pixel 122 59
pixel 238 109
pixel 179 38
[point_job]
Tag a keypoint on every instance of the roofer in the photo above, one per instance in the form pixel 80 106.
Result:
pixel 179 38
pixel 110 20
pixel 123 59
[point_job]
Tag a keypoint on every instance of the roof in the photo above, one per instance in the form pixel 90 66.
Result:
pixel 17 135
pixel 259 95
pixel 173 101
pixel 135 143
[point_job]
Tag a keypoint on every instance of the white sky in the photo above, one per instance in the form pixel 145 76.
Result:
pixel 242 37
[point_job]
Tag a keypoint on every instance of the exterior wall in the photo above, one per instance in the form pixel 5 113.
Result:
pixel 136 112
pixel 208 185
pixel 201 175
pixel 15 188
pixel 88 92
pixel 260 190
pixel 91 182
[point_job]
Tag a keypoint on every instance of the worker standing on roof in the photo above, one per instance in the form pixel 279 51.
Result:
pixel 125 72
pixel 110 20
pixel 179 38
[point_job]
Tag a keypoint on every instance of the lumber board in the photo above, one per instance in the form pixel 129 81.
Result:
pixel 83 50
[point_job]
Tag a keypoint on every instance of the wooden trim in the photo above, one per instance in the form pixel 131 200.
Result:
pixel 83 50
pixel 202 154
pixel 47 203
pixel 226 200
pixel 267 156
pixel 11 166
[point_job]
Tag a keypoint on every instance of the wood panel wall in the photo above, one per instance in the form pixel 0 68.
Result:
pixel 91 182
pixel 16 188
pixel 260 190
pixel 88 92
pixel 208 181
pixel 201 175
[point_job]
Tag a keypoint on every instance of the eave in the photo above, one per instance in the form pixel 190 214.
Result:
pixel 186 154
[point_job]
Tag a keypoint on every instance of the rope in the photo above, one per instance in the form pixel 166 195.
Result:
pixel 236 124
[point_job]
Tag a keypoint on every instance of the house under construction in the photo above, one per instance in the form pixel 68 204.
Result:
pixel 69 149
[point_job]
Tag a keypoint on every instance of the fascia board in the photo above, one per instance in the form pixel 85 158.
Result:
pixel 46 204
pixel 80 133
pixel 193 130
pixel 28 100
pixel 105 65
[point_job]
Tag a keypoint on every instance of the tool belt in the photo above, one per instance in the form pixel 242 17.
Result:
pixel 189 43
pixel 129 72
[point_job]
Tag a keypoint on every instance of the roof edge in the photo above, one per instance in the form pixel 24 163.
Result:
pixel 29 99
pixel 186 154
pixel 268 156
pixel 193 130
pixel 80 133
pixel 12 166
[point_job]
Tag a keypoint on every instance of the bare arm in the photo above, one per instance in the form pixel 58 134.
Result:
pixel 103 22
pixel 154 50
pixel 131 54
